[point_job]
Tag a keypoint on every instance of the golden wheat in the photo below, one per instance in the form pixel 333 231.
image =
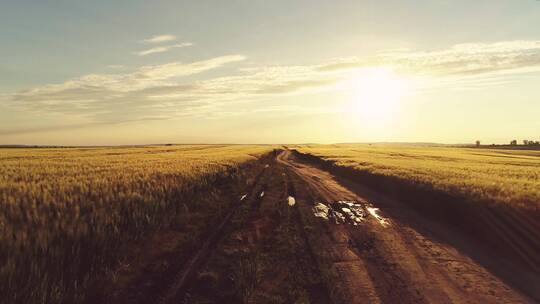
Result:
pixel 502 176
pixel 64 212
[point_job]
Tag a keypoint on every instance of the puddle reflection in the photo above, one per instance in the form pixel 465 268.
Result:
pixel 348 212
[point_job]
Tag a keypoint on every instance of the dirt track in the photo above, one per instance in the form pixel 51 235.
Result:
pixel 349 252
pixel 392 263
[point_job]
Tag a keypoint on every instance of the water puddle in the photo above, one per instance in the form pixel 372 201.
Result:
pixel 326 212
pixel 353 212
pixel 291 201
pixel 321 210
pixel 347 212
pixel 374 212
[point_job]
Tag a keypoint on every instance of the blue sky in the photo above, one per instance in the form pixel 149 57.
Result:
pixel 255 71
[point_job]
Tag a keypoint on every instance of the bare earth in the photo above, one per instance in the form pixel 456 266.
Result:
pixel 361 246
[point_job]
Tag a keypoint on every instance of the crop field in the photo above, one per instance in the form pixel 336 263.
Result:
pixel 64 212
pixel 215 224
pixel 501 176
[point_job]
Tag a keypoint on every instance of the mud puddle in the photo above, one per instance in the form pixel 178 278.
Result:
pixel 375 213
pixel 347 212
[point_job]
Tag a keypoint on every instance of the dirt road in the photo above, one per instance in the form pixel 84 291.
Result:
pixel 387 257
pixel 300 234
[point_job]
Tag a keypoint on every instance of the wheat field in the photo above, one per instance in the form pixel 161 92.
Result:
pixel 64 212
pixel 496 175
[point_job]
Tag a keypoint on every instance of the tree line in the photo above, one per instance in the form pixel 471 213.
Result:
pixel 514 142
pixel 526 142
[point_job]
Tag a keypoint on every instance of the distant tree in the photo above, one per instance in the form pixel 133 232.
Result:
pixel 478 143
pixel 513 143
pixel 530 142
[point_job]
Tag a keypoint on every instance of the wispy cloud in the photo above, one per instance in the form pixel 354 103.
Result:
pixel 161 49
pixel 112 97
pixel 162 91
pixel 460 59
pixel 159 39
pixel 144 77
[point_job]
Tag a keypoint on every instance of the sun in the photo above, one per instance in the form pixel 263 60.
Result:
pixel 375 95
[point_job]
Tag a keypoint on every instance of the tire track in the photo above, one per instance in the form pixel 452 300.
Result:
pixel 348 280
pixel 200 256
pixel 263 258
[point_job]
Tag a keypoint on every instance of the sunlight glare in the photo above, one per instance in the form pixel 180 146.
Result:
pixel 376 94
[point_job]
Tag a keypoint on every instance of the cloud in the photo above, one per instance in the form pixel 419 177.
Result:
pixel 115 66
pixel 144 77
pixel 163 91
pixel 460 59
pixel 159 39
pixel 161 49
pixel 112 97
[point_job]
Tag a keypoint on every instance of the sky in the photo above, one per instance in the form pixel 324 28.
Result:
pixel 259 71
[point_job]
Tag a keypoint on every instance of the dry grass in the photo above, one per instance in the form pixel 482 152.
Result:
pixel 65 212
pixel 501 176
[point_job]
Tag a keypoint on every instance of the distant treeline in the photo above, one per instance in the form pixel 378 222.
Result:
pixel 514 142
pixel 526 142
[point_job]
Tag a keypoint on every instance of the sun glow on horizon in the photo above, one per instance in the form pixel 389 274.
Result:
pixel 376 94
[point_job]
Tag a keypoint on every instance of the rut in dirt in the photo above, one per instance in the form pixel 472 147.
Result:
pixel 189 271
pixel 265 256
